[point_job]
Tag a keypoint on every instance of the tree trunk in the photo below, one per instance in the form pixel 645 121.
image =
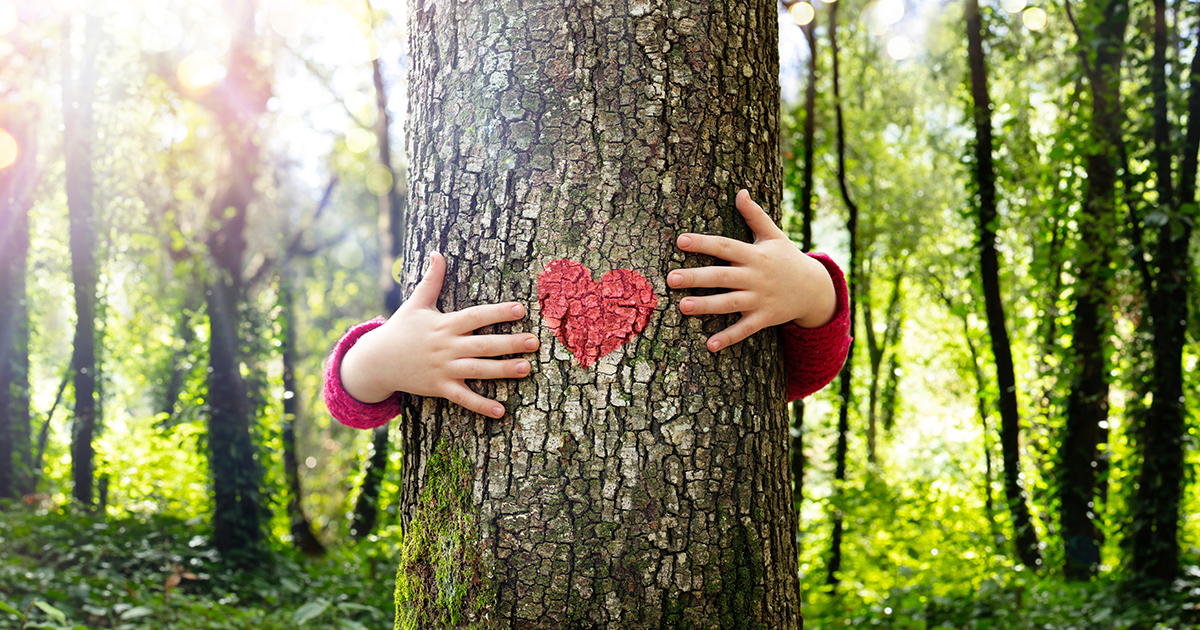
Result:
pixel 16 185
pixel 392 205
pixel 1028 549
pixel 237 507
pixel 1087 405
pixel 78 94
pixel 1160 484
pixel 844 379
pixel 301 529
pixel 806 244
pixel 876 350
pixel 651 488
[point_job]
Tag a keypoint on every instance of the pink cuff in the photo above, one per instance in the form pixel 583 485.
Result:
pixel 815 355
pixel 348 410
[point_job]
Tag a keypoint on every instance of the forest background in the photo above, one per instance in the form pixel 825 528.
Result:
pixel 158 154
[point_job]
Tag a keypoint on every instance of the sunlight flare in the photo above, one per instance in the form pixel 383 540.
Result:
pixel 802 13
pixel 1034 19
pixel 1014 6
pixel 8 16
pixel 8 149
pixel 358 140
pixel 889 11
pixel 200 70
pixel 899 47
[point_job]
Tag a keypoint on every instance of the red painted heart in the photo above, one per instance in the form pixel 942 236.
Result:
pixel 594 318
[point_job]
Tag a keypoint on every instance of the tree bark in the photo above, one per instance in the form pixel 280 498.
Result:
pixel 1028 549
pixel 392 205
pixel 78 94
pixel 650 489
pixel 1160 483
pixel 241 99
pixel 844 379
pixel 16 185
pixel 1087 404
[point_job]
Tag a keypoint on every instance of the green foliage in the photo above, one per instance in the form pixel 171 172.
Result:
pixel 70 569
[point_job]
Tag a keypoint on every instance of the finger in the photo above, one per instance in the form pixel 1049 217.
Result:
pixel 462 396
pixel 477 317
pixel 486 369
pixel 708 277
pixel 733 302
pixel 724 248
pixel 426 293
pixel 496 345
pixel 756 218
pixel 736 333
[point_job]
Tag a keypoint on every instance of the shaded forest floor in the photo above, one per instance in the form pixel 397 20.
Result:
pixel 68 570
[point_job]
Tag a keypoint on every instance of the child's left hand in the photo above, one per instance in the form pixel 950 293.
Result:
pixel 770 281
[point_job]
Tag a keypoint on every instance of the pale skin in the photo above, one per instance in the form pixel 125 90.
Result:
pixel 423 351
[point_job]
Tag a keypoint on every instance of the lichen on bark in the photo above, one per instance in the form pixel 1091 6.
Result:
pixel 443 580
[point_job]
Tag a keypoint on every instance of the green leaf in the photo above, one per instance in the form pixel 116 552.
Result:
pixel 351 606
pixel 310 611
pixel 9 609
pixel 137 612
pixel 350 624
pixel 55 613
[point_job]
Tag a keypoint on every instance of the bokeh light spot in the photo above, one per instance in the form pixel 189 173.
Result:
pixel 899 47
pixel 379 179
pixel 8 149
pixel 1013 6
pixel 802 13
pixel 1034 19
pixel 8 16
pixel 288 18
pixel 889 11
pixel 200 70
pixel 358 140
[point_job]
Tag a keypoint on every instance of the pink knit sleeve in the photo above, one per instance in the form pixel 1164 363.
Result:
pixel 815 355
pixel 343 406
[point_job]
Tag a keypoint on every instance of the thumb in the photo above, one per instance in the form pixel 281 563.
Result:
pixel 426 293
pixel 756 218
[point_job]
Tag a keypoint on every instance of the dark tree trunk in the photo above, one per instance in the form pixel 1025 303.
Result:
pixel 650 489
pixel 1087 405
pixel 237 507
pixel 78 94
pixel 16 186
pixel 876 350
pixel 1028 550
pixel 1156 507
pixel 806 220
pixel 844 379
pixel 392 205
pixel 301 529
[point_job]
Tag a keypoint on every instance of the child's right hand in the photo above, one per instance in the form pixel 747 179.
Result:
pixel 423 351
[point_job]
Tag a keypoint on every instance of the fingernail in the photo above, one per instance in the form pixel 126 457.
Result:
pixel 518 311
pixel 523 368
pixel 685 242
pixel 686 306
pixel 675 279
pixel 531 343
pixel 497 411
pixel 714 344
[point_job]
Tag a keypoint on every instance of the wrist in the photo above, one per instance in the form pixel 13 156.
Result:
pixel 359 378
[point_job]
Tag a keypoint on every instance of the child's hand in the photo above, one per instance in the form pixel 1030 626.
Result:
pixel 425 352
pixel 771 282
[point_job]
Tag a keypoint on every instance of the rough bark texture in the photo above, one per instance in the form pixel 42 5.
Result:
pixel 1028 550
pixel 1087 405
pixel 845 378
pixel 16 183
pixel 78 94
pixel 1156 507
pixel 651 489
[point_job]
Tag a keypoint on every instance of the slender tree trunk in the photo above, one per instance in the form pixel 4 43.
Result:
pixel 649 489
pixel 846 390
pixel 806 218
pixel 876 350
pixel 78 94
pixel 1160 484
pixel 1028 549
pixel 301 529
pixel 237 507
pixel 16 186
pixel 392 206
pixel 1087 405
